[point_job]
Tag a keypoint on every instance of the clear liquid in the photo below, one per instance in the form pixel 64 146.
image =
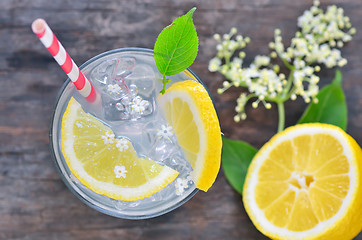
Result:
pixel 123 79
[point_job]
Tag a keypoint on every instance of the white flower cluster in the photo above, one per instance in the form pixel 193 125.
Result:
pixel 138 105
pixel 261 77
pixel 226 48
pixel 114 89
pixel 108 138
pixel 317 42
pixel 122 144
pixel 321 34
pixel 181 184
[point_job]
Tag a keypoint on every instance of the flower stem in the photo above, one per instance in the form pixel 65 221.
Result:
pixel 281 116
pixel 288 86
pixel 290 93
pixel 287 64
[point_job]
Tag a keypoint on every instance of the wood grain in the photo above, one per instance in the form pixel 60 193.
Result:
pixel 34 202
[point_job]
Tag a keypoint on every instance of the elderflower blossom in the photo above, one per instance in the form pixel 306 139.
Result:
pixel 120 171
pixel 122 144
pixel 317 43
pixel 261 77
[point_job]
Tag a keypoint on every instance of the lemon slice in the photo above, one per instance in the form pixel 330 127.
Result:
pixel 306 183
pixel 189 110
pixel 105 164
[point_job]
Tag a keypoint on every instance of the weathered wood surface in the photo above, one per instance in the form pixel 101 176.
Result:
pixel 34 202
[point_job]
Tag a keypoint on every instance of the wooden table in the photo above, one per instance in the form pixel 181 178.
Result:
pixel 35 203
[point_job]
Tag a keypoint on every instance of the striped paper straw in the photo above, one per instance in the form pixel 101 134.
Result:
pixel 51 42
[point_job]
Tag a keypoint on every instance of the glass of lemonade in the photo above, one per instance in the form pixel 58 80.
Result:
pixel 136 74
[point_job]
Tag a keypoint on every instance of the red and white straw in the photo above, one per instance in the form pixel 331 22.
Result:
pixel 51 42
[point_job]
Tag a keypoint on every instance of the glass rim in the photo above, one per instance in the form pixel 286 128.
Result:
pixel 54 157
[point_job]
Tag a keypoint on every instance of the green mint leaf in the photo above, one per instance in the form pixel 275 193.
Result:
pixel 331 107
pixel 236 158
pixel 176 46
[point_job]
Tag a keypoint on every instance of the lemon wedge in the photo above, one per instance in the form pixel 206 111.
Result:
pixel 106 164
pixel 190 111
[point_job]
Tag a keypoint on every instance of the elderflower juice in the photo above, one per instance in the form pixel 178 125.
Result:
pixel 128 83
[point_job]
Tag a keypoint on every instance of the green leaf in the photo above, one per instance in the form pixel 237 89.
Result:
pixel 331 107
pixel 236 158
pixel 176 46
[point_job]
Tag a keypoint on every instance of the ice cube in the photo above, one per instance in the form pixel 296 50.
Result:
pixel 144 78
pixel 163 149
pixel 170 154
pixel 125 108
pixel 126 100
pixel 153 131
pixel 121 100
pixel 160 144
pixel 133 90
pixel 119 106
pixel 115 110
pixel 124 67
pixel 178 162
pixel 102 73
pixel 109 76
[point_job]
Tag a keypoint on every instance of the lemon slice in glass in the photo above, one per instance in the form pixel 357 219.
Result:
pixel 105 164
pixel 190 111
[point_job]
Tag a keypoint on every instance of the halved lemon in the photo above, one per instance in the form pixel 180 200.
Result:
pixel 190 111
pixel 105 164
pixel 306 183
